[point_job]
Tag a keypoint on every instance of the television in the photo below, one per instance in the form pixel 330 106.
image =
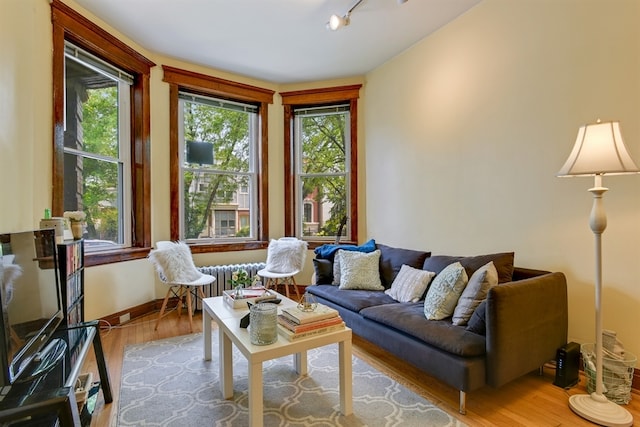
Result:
pixel 31 304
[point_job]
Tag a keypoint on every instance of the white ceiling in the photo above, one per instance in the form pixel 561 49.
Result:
pixel 280 41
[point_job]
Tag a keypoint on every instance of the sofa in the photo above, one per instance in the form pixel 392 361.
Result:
pixel 511 327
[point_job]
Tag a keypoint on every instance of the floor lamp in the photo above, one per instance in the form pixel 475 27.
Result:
pixel 599 150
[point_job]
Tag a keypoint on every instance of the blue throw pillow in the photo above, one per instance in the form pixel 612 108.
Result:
pixel 329 251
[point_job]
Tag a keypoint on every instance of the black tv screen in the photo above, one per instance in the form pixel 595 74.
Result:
pixel 29 297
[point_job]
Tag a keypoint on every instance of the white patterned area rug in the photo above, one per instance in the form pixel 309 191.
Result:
pixel 167 383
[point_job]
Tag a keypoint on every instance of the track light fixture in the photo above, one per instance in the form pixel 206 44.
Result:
pixel 336 22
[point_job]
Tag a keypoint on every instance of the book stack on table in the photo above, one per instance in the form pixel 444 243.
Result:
pixel 294 323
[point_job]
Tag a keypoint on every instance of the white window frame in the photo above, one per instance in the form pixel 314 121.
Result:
pixel 252 174
pixel 299 175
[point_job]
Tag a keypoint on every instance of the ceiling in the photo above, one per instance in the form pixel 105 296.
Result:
pixel 279 41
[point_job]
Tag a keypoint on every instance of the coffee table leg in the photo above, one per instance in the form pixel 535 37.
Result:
pixel 255 394
pixel 300 362
pixel 206 330
pixel 226 365
pixel 346 392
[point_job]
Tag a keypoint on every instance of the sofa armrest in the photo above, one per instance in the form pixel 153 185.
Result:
pixel 527 322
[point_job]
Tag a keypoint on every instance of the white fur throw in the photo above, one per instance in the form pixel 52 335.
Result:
pixel 286 255
pixel 11 273
pixel 173 261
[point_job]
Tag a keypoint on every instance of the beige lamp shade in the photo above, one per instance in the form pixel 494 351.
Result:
pixel 599 150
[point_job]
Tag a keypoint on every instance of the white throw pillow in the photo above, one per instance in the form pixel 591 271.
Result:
pixel 360 270
pixel 410 284
pixel 286 255
pixel 477 289
pixel 444 292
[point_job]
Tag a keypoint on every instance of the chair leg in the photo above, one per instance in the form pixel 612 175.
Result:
pixel 180 302
pixel 285 284
pixel 164 306
pixel 269 283
pixel 188 295
pixel 295 286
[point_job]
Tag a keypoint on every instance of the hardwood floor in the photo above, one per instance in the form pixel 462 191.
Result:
pixel 529 401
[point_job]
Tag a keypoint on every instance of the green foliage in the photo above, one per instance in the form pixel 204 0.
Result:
pixel 100 178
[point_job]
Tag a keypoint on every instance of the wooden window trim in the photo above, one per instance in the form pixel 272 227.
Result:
pixel 317 97
pixel 212 86
pixel 72 26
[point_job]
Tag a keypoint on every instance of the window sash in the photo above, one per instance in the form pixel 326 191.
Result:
pixel 251 175
pixel 300 176
pixel 123 198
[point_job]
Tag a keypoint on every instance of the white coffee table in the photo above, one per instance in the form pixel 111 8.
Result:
pixel 228 321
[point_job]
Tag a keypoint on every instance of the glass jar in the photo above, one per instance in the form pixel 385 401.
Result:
pixel 263 324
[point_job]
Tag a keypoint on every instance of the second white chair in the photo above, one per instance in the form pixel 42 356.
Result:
pixel 285 259
pixel 174 263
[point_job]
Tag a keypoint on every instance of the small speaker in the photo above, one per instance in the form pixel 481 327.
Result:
pixel 567 360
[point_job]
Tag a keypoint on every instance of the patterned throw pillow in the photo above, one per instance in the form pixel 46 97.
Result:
pixel 360 270
pixel 476 290
pixel 410 284
pixel 444 292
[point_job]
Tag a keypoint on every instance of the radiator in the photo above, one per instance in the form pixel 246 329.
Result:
pixel 223 273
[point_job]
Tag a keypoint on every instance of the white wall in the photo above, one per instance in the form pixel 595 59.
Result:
pixel 466 130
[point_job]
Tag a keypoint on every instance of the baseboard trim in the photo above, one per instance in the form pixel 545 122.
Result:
pixel 154 306
pixel 138 311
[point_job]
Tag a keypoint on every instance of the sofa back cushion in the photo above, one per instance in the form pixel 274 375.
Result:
pixel 503 262
pixel 392 259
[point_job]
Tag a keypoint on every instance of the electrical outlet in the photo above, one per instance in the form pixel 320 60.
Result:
pixel 125 318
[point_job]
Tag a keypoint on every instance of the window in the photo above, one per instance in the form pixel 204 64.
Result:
pixel 222 173
pixel 321 156
pixel 96 148
pixel 219 194
pixel 321 177
pixel 101 136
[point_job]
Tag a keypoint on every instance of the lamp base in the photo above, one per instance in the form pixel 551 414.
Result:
pixel 600 410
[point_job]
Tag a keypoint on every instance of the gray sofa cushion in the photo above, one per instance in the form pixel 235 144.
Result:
pixel 503 262
pixel 391 260
pixel 409 318
pixel 354 300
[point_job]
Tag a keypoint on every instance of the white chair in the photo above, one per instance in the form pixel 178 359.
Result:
pixel 285 259
pixel 174 264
